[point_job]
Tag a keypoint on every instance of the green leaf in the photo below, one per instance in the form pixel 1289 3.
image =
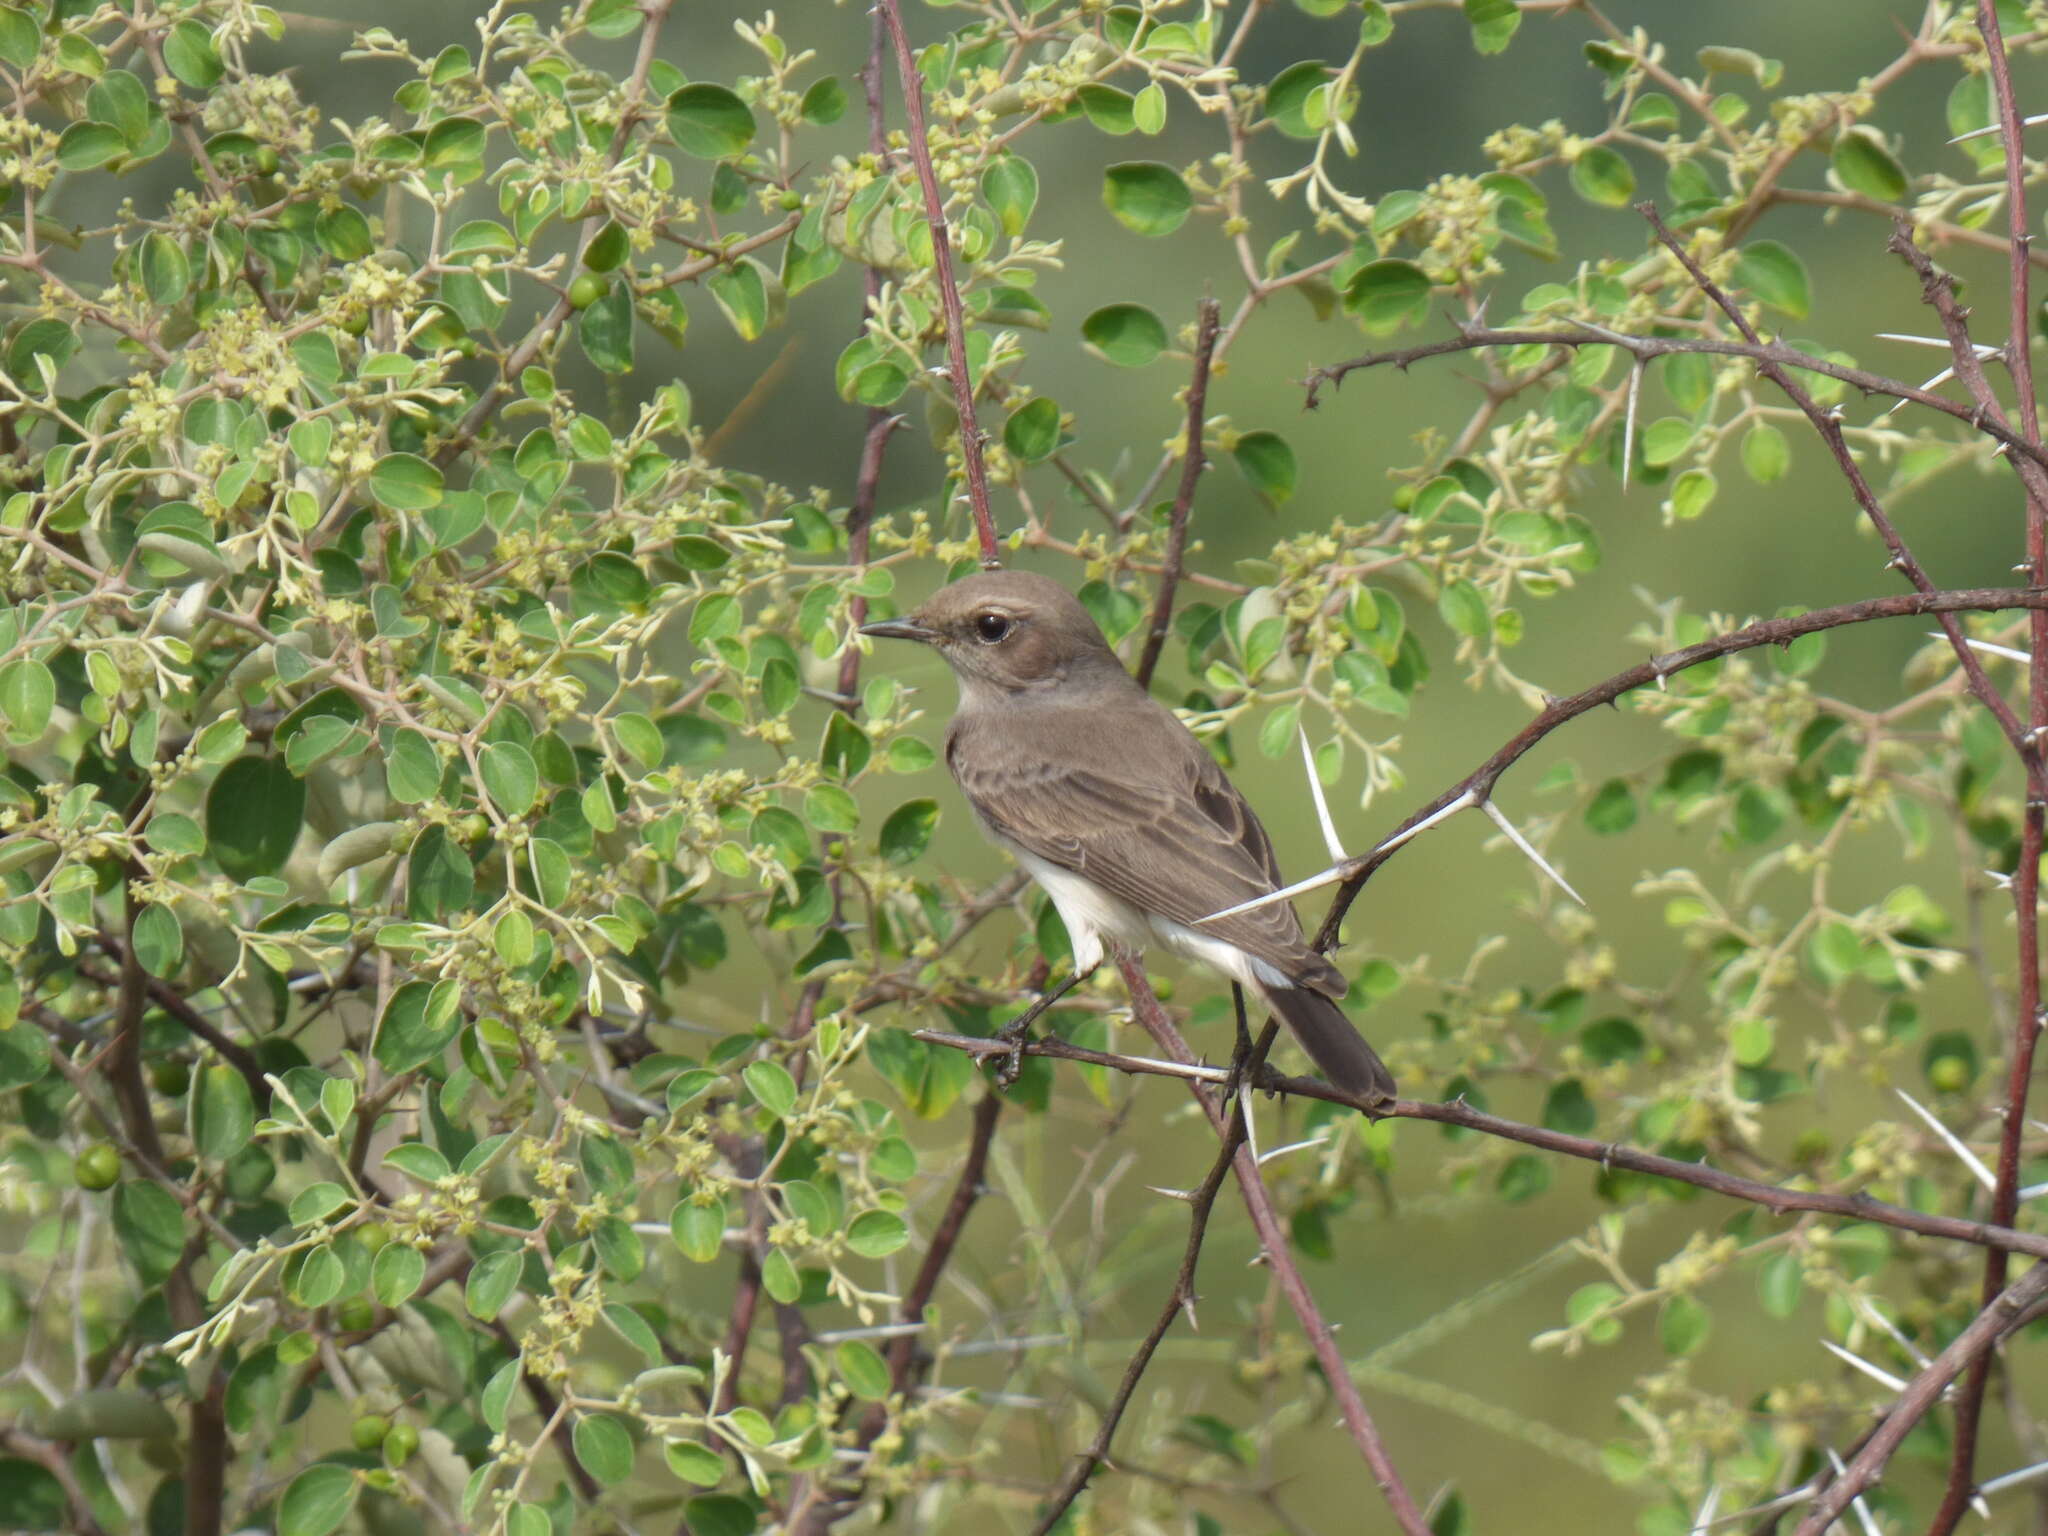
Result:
pixel 908 830
pixel 1684 1325
pixel 694 1463
pixel 418 1022
pixel 405 482
pixel 510 777
pixel 1779 1283
pixel 254 809
pixel 1766 454
pixel 863 1371
pixel 118 99
pixel 1776 276
pixel 604 1447
pixel 824 102
pixel 492 1281
pixel 1613 808
pixel 439 877
pixel 709 122
pixel 1032 431
pixel 158 939
pixel 189 54
pixel 1864 164
pixel 698 1230
pixel 317 1501
pixel 772 1086
pixel 1566 1108
pixel 1522 1178
pixel 1383 296
pixel 1128 335
pixel 223 1113
pixel 1010 188
pixel 20 38
pixel 1601 175
pixel 396 1273
pixel 150 1225
pixel 86 146
pixel 1267 462
pixel 1147 198
pixel 877 1234
pixel 605 331
pixel 344 233
pixel 1692 494
pixel 1464 609
pixel 1493 23
pixel 1297 99
pixel 28 693
pixel 412 769
pixel 165 270
pixel 317 1202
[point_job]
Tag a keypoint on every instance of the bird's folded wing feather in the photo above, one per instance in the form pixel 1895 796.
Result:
pixel 1148 815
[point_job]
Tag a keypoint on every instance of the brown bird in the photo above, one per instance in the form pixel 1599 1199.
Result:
pixel 1116 810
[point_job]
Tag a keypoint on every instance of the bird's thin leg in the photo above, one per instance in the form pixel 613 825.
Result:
pixel 1241 1052
pixel 1018 1030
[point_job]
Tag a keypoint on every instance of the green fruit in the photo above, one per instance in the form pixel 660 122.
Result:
pixel 587 290
pixel 171 1077
pixel 368 1432
pixel 353 1316
pixel 400 1444
pixel 266 161
pixel 357 322
pixel 1951 1074
pixel 97 1166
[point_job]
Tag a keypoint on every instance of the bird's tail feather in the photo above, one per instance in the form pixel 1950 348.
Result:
pixel 1331 1042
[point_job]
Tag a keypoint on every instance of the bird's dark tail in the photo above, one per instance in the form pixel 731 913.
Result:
pixel 1331 1042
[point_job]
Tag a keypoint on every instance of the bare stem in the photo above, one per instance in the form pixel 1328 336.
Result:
pixel 1192 464
pixel 971 464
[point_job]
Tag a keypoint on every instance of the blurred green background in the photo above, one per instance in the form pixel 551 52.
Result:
pixel 1428 102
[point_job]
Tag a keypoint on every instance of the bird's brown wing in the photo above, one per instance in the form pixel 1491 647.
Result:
pixel 1129 799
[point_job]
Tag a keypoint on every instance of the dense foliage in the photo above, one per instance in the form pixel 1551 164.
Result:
pixel 467 903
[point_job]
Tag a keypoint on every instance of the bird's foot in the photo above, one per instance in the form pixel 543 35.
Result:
pixel 1016 1034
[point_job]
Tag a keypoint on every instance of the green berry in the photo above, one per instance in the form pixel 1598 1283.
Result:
pixel 171 1077
pixel 97 1166
pixel 400 1443
pixel 368 1432
pixel 587 290
pixel 1951 1074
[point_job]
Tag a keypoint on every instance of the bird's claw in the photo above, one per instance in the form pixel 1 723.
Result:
pixel 1010 1065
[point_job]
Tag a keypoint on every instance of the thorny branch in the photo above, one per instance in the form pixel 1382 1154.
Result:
pixel 972 468
pixel 1193 462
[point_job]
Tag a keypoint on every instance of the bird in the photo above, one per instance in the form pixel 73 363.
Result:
pixel 1117 811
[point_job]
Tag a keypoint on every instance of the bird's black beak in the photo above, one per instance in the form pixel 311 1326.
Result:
pixel 900 629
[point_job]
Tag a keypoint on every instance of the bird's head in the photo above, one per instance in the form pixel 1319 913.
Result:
pixel 1007 632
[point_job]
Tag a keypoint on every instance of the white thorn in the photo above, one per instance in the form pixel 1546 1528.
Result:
pixel 1862 1509
pixel 2007 1480
pixel 1709 1507
pixel 1317 1140
pixel 1628 425
pixel 1986 132
pixel 1875 1373
pixel 1251 1127
pixel 1493 811
pixel 1187 1195
pixel 1315 788
pixel 1871 1314
pixel 1986 646
pixel 1335 873
pixel 1983 352
pixel 1287 892
pixel 2034 1191
pixel 1969 1159
pixel 1939 379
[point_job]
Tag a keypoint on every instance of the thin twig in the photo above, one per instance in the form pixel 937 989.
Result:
pixel 1609 1154
pixel 1974 1343
pixel 1192 464
pixel 971 464
pixel 1178 1300
pixel 1969 1410
pixel 1145 1007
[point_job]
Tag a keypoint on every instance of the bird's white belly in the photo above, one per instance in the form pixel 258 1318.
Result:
pixel 1093 917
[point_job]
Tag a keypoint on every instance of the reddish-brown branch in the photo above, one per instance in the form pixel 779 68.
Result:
pixel 1192 463
pixel 972 468
pixel 967 1189
pixel 1146 1009
pixel 1969 1410
pixel 1480 782
pixel 1830 429
pixel 1974 1343
pixel 1180 1299
pixel 1609 1154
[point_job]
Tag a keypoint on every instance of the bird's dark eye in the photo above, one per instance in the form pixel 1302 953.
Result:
pixel 991 626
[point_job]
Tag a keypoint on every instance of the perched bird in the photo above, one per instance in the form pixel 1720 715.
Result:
pixel 1116 810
